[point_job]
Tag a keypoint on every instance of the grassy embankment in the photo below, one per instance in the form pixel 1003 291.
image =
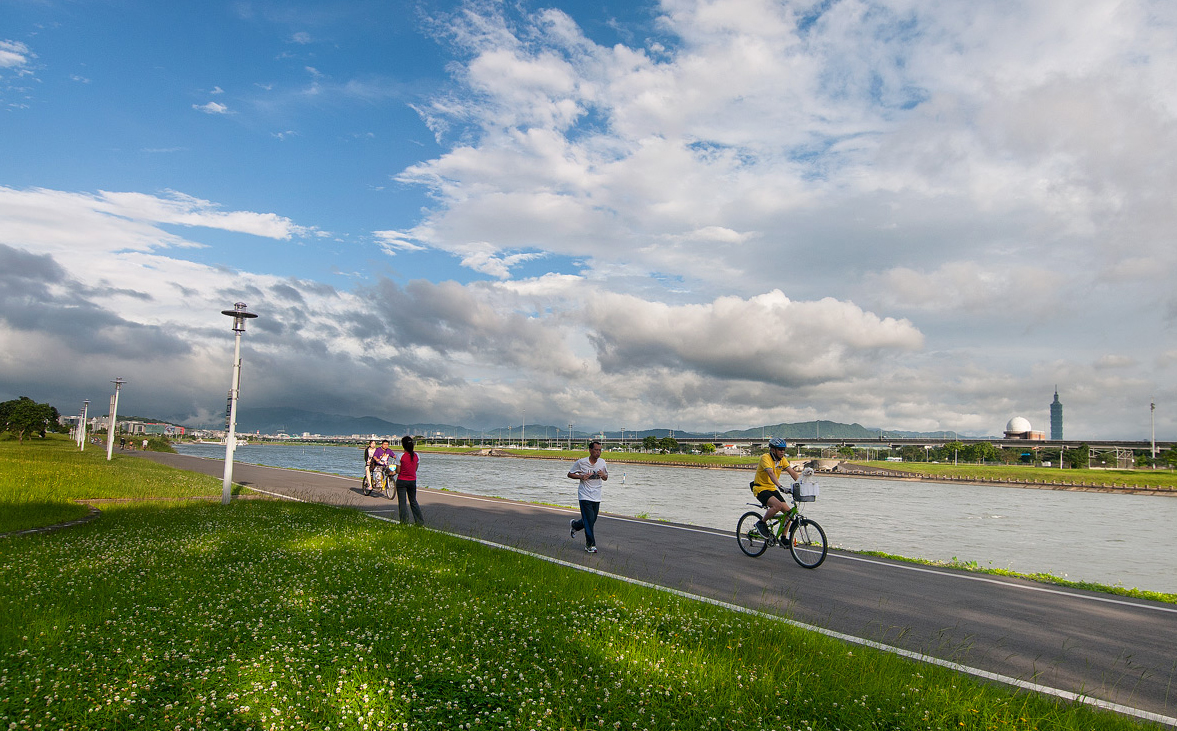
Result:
pixel 282 615
pixel 998 473
pixel 1164 478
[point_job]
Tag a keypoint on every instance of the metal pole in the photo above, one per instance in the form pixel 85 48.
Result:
pixel 1152 407
pixel 231 437
pixel 239 315
pixel 82 426
pixel 113 426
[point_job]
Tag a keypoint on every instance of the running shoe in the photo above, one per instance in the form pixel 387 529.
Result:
pixel 763 528
pixel 590 549
pixel 572 527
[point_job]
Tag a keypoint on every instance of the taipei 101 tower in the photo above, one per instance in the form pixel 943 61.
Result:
pixel 1056 418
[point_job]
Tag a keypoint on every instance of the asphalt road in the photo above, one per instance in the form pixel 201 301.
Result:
pixel 1118 651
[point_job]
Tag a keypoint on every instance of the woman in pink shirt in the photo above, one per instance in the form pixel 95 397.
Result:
pixel 406 483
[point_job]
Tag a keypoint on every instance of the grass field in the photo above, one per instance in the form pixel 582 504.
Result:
pixel 41 479
pixel 273 615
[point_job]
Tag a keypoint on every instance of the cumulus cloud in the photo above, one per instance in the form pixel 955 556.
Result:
pixel 907 215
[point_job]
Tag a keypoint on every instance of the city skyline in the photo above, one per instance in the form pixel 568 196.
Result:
pixel 695 214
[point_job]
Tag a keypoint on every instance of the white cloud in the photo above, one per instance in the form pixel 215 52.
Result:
pixel 14 54
pixel 211 108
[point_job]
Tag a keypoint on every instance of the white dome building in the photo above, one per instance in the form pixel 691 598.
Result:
pixel 1019 428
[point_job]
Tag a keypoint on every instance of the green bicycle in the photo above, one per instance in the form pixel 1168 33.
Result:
pixel 801 536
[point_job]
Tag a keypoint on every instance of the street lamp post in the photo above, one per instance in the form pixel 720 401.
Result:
pixel 239 315
pixel 1152 407
pixel 82 426
pixel 112 427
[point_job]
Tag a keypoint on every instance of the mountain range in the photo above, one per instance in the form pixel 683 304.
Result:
pixel 298 421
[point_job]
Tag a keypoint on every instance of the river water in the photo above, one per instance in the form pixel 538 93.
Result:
pixel 1108 538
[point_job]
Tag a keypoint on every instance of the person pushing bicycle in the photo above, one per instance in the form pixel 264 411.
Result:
pixel 767 484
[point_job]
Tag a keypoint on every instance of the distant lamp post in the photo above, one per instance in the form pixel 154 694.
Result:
pixel 82 426
pixel 1152 408
pixel 239 315
pixel 112 427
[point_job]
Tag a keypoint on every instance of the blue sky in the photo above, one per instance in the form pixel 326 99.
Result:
pixel 694 214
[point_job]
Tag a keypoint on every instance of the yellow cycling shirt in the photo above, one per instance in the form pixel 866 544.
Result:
pixel 763 481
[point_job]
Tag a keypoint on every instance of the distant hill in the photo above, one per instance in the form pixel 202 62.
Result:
pixel 297 421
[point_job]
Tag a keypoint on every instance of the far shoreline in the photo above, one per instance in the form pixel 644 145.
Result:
pixel 859 471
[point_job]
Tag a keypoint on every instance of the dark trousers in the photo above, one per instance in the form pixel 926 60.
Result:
pixel 588 519
pixel 406 497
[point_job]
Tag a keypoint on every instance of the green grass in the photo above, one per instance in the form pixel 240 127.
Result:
pixel 1044 578
pixel 1026 473
pixel 267 615
pixel 41 479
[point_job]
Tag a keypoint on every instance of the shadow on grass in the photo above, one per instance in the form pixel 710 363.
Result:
pixel 18 517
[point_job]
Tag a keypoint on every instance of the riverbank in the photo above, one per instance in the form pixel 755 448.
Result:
pixel 1128 482
pixel 274 629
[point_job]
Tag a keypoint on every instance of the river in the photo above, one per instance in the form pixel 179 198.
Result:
pixel 1108 538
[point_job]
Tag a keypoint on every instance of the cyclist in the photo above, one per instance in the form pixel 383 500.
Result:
pixel 767 484
pixel 381 458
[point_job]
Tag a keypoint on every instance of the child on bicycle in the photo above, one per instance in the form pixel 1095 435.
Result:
pixel 767 484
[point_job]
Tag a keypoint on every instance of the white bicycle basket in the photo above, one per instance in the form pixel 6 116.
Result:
pixel 805 491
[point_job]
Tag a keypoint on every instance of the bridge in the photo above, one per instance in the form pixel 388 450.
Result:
pixel 886 442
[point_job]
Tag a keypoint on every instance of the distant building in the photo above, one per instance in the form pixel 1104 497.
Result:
pixel 1056 418
pixel 1019 428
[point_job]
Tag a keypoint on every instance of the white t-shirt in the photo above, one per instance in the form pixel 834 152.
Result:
pixel 589 489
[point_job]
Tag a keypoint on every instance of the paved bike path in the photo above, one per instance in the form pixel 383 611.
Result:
pixel 1122 651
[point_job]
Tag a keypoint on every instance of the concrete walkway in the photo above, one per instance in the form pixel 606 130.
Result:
pixel 1121 652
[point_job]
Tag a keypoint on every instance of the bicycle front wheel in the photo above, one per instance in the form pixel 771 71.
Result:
pixel 807 543
pixel 750 540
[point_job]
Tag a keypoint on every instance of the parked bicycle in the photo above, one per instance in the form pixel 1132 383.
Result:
pixel 801 536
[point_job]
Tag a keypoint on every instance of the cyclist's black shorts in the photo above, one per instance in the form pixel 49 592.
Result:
pixel 764 495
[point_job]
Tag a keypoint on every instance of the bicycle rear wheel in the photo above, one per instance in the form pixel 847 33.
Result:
pixel 750 540
pixel 807 543
pixel 366 485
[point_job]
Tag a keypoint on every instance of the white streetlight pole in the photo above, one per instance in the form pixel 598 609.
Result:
pixel 239 315
pixel 82 426
pixel 112 427
pixel 1152 408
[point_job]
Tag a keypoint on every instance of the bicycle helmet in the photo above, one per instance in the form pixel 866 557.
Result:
pixel 778 443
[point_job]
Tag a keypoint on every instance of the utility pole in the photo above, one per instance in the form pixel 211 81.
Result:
pixel 570 437
pixel 1152 408
pixel 113 426
pixel 82 426
pixel 239 315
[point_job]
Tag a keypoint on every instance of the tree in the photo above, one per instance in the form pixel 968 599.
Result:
pixel 707 448
pixel 25 417
pixel 979 452
pixel 952 449
pixel 650 443
pixel 1076 458
pixel 668 444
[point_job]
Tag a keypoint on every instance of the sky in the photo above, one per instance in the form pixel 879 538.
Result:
pixel 689 214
